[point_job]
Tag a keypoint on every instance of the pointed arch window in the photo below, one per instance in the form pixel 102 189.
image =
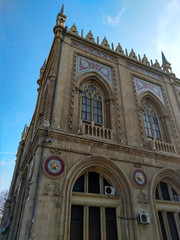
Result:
pixel 93 212
pixel 168 213
pixel 92 105
pixel 151 122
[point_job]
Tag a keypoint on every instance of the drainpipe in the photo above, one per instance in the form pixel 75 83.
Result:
pixel 44 142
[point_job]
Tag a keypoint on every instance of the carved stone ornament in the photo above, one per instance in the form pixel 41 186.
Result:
pixel 73 29
pixel 119 49
pixel 142 198
pixel 51 189
pixel 53 167
pixel 89 36
pixel 139 178
pixel 132 54
pixel 56 150
pixel 157 65
pixel 145 60
pixel 31 168
pixel 105 43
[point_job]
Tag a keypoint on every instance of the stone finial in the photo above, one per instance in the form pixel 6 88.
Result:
pixel 62 12
pixel 157 65
pixel 165 64
pixel 132 54
pixel 44 64
pixel 119 49
pixel 24 133
pixel 61 18
pixel 89 36
pixel 105 43
pixel 73 29
pixel 145 60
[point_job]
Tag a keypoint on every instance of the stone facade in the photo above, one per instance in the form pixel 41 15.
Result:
pixel 104 140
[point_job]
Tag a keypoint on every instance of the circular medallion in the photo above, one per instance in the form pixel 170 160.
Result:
pixel 140 178
pixel 54 166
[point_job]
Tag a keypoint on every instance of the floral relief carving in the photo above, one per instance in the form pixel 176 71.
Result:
pixel 51 189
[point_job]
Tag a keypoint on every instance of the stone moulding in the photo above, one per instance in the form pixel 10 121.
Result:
pixel 86 65
pixel 150 74
pixel 143 86
pixel 92 50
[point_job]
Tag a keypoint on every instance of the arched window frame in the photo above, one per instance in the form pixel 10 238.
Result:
pixel 88 100
pixel 152 123
pixel 168 209
pixel 88 200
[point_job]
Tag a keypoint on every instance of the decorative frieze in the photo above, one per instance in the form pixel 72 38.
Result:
pixel 143 86
pixel 86 65
pixel 92 50
pixel 150 74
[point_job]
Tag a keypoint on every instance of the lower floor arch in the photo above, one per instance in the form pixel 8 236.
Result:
pixel 165 196
pixel 97 202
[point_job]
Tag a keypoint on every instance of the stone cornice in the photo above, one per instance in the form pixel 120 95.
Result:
pixel 85 140
pixel 113 53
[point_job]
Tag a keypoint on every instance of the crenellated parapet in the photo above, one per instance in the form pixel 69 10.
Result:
pixel 166 66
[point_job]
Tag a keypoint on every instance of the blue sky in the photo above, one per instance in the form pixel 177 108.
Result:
pixel 26 34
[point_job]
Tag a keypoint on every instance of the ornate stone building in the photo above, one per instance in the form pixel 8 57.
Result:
pixel 101 157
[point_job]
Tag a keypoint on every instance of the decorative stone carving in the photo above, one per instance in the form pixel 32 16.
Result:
pixel 142 198
pixel 141 70
pixel 49 100
pixel 119 49
pixel 145 60
pixel 73 29
pixel 132 54
pixel 86 65
pixel 94 51
pixel 52 189
pixel 61 18
pixel 137 165
pixel 143 86
pixel 55 150
pixel 105 43
pixel 157 65
pixel 89 36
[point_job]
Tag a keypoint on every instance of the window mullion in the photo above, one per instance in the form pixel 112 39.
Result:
pixel 159 191
pixel 177 220
pixel 92 110
pixel 101 184
pixel 166 224
pixel 86 183
pixel 103 223
pixel 151 126
pixel 86 223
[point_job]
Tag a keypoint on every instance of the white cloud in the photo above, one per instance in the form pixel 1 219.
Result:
pixel 113 21
pixel 3 163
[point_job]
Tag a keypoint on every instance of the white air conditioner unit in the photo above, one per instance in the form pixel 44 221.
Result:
pixel 108 190
pixel 144 218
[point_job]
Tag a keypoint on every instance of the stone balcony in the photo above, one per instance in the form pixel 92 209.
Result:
pixel 162 146
pixel 96 131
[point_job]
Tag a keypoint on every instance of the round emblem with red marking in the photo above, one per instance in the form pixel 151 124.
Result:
pixel 54 166
pixel 140 178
